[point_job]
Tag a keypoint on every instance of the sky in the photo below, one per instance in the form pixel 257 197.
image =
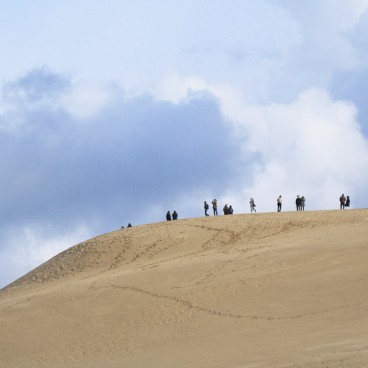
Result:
pixel 117 111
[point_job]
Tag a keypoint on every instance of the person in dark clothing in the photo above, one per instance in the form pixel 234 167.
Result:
pixel 168 216
pixel 342 202
pixel 226 209
pixel 214 206
pixel 175 215
pixel 298 203
pixel 230 210
pixel 206 207
pixel 302 203
pixel 129 225
pixel 347 203
pixel 279 203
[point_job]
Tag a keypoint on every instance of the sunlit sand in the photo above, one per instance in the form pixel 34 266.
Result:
pixel 282 289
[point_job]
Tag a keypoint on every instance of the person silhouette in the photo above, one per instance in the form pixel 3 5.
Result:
pixel 298 203
pixel 206 207
pixel 214 206
pixel 252 205
pixel 226 209
pixel 342 202
pixel 279 203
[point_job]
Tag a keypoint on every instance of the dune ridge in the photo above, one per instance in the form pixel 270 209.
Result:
pixel 263 290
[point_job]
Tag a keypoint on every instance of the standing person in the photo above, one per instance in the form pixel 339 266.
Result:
pixel 347 204
pixel 230 210
pixel 342 202
pixel 252 205
pixel 279 203
pixel 298 203
pixel 302 203
pixel 168 216
pixel 206 207
pixel 175 215
pixel 214 206
pixel 226 209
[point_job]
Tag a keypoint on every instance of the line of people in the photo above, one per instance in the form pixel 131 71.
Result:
pixel 299 202
pixel 228 210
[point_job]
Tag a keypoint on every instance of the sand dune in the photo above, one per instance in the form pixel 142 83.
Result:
pixel 265 290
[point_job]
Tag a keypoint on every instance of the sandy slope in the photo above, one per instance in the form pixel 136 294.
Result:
pixel 265 290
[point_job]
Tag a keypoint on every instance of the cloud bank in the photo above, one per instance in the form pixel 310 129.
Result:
pixel 126 160
pixel 72 169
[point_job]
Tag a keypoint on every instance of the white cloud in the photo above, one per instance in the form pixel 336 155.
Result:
pixel 86 99
pixel 313 147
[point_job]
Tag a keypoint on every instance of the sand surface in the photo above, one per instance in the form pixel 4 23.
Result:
pixel 267 290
